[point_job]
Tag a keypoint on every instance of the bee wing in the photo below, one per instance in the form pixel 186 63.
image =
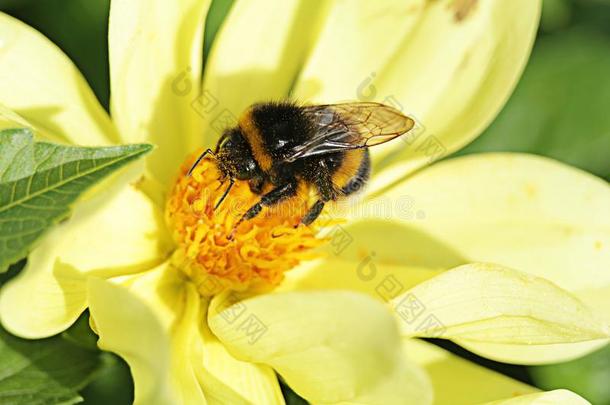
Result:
pixel 350 126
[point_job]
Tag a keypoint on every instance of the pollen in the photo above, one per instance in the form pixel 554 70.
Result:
pixel 216 254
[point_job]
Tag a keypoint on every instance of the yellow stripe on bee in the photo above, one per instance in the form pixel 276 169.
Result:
pixel 255 140
pixel 348 168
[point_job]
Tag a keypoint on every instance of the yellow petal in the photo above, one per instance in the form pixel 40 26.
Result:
pixel 543 354
pixel 10 119
pixel 451 64
pixel 156 322
pixel 151 323
pixel 378 279
pixel 493 304
pixel 256 56
pixel 155 69
pixel 328 346
pixel 521 211
pixel 556 397
pixel 41 84
pixel 226 380
pixel 534 354
pixel 457 381
pixel 353 49
pixel 375 256
pixel 115 232
pixel 388 240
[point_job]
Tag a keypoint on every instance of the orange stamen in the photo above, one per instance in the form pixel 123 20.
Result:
pixel 218 256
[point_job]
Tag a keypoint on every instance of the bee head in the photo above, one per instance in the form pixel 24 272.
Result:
pixel 234 155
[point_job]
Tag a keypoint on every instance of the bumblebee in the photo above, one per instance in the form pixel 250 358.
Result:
pixel 281 146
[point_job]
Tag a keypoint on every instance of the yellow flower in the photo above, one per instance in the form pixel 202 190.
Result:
pixel 451 64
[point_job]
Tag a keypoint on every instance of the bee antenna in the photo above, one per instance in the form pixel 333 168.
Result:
pixel 199 159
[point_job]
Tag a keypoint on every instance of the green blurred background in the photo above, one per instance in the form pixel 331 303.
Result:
pixel 560 109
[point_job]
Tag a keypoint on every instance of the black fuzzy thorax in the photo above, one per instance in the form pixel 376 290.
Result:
pixel 283 126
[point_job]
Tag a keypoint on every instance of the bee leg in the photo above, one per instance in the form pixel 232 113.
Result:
pixel 271 198
pixel 324 183
pixel 224 195
pixel 326 190
pixel 199 159
pixel 313 212
pixel 316 209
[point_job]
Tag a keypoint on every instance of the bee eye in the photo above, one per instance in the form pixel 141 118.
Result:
pixel 245 169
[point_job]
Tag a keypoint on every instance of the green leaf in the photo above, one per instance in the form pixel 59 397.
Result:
pixel 80 333
pixel 291 397
pixel 219 9
pixel 113 384
pixel 9 4
pixel 12 271
pixel 560 107
pixel 45 372
pixel 556 14
pixel 587 376
pixel 39 181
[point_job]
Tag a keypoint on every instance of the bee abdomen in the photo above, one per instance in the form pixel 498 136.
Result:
pixel 360 178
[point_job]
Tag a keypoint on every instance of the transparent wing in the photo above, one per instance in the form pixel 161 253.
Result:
pixel 350 126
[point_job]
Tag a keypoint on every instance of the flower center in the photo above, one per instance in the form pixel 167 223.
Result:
pixel 218 255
